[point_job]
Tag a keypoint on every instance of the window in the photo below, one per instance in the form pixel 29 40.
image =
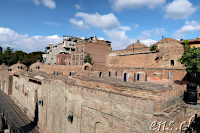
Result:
pixel 51 58
pixel 81 49
pixel 69 63
pixel 77 50
pixel 19 67
pixel 73 57
pixel 64 59
pixel 172 62
pixel 81 56
pixel 77 57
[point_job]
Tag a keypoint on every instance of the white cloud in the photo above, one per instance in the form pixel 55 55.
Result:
pixel 148 42
pixel 125 27
pixel 78 7
pixel 188 27
pixel 136 25
pixel 154 32
pixel 159 31
pixel 79 23
pixel 37 2
pixel 179 9
pixel 49 3
pixel 118 38
pixel 119 5
pixel 26 43
pixel 105 21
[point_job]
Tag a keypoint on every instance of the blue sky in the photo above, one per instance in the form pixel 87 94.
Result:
pixel 29 25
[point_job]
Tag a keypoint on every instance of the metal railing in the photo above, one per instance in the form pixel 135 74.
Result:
pixel 11 122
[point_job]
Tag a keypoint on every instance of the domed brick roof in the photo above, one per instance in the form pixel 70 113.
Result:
pixel 166 40
pixel 136 45
pixel 19 65
pixel 17 71
pixel 37 64
pixel 3 66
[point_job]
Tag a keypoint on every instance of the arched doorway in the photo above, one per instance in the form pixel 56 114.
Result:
pixel 138 77
pixel 99 128
pixel 125 77
pixel 86 68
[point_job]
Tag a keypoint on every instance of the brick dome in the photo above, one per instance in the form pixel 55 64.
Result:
pixel 37 65
pixel 3 66
pixel 19 65
pixel 166 40
pixel 136 45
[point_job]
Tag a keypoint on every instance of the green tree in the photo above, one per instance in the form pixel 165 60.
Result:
pixel 88 59
pixel 9 57
pixel 191 59
pixel 152 47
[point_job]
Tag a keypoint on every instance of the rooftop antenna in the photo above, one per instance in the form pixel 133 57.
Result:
pixel 163 37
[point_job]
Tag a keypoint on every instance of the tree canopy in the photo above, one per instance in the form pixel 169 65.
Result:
pixel 191 59
pixel 88 59
pixel 152 47
pixel 9 57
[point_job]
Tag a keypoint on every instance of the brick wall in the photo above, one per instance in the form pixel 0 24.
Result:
pixel 168 52
pixel 178 74
pixel 63 59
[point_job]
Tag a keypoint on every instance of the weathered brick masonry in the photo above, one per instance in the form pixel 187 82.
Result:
pixel 105 104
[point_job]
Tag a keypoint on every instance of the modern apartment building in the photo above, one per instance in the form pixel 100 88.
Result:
pixel 66 46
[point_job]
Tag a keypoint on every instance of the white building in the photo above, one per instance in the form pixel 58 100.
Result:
pixel 66 46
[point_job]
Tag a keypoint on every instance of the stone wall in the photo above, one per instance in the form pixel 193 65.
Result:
pixel 95 105
pixel 6 82
pixel 178 74
pixel 62 68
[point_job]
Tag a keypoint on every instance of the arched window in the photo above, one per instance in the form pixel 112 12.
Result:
pixel 172 62
pixel 109 74
pixel 100 74
pixel 124 77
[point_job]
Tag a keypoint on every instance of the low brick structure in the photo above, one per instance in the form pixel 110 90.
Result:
pixel 156 76
pixel 140 76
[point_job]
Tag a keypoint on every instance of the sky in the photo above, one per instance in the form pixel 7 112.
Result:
pixel 29 25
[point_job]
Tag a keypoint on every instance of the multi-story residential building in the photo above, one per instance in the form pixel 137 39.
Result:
pixel 63 59
pixel 64 47
pixel 96 48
